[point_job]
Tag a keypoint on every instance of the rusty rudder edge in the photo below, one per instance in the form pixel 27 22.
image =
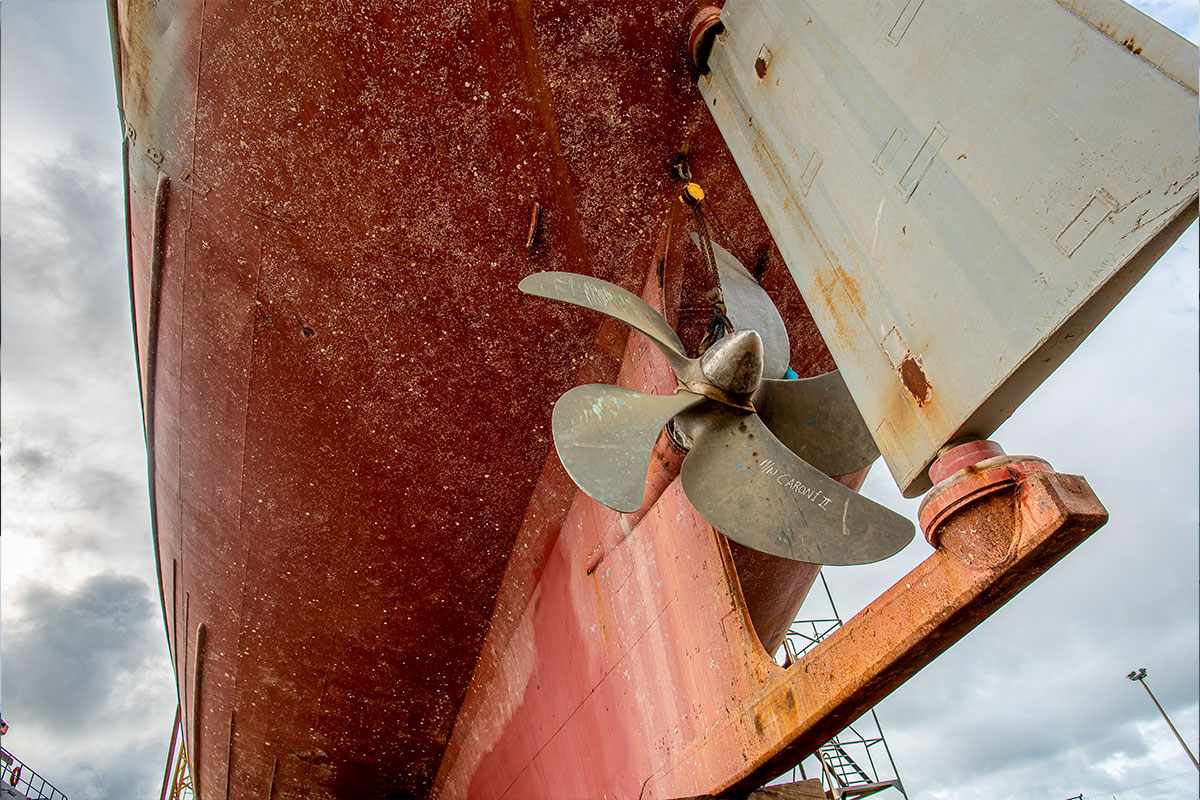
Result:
pixel 989 550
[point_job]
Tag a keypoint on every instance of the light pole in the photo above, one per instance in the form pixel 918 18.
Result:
pixel 1140 677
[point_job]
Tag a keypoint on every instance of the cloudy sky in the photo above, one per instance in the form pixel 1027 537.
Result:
pixel 1033 704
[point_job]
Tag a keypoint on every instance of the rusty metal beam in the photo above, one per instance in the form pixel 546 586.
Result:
pixel 988 553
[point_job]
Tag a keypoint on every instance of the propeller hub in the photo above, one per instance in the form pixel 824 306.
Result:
pixel 734 364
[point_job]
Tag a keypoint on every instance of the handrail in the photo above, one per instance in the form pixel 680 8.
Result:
pixel 14 773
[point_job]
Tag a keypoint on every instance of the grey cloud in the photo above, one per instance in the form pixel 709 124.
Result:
pixel 62 262
pixel 135 774
pixel 958 726
pixel 103 490
pixel 65 651
pixel 994 709
pixel 71 661
pixel 56 45
pixel 64 487
pixel 32 462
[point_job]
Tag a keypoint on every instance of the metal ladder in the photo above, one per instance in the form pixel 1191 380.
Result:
pixel 841 774
pixel 846 778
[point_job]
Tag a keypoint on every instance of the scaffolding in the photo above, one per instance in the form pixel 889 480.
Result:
pixel 177 777
pixel 850 764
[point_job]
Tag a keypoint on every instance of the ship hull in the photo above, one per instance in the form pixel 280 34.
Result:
pixel 347 402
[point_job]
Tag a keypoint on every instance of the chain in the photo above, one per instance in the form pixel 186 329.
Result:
pixel 725 237
pixel 693 197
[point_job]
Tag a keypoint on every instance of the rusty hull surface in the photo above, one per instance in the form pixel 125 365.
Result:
pixel 347 400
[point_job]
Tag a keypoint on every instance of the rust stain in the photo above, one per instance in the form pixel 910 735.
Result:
pixel 600 607
pixel 1132 46
pixel 852 287
pixel 762 62
pixel 914 380
pixel 533 226
pixel 760 67
pixel 775 712
pixel 841 293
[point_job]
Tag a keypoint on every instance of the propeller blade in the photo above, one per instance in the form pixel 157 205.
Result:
pixel 615 302
pixel 605 436
pixel 748 306
pixel 754 490
pixel 817 419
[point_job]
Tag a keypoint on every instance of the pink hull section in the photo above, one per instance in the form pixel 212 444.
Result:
pixel 607 673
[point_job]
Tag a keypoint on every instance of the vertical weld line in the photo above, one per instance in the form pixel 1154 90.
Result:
pixel 537 83
pixel 196 94
pixel 248 550
pixel 186 726
pixel 229 752
pixel 173 633
pixel 189 208
pixel 329 667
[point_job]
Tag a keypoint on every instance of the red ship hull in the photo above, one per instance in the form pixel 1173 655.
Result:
pixel 347 401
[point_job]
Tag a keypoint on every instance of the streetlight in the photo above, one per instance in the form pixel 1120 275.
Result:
pixel 1140 677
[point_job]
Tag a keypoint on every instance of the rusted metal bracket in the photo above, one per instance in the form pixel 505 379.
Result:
pixel 990 547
